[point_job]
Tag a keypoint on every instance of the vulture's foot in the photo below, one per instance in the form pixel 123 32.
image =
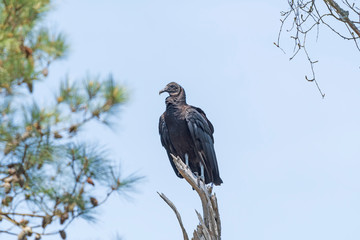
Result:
pixel 187 160
pixel 199 178
pixel 210 188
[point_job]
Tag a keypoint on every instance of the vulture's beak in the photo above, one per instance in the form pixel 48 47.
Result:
pixel 162 91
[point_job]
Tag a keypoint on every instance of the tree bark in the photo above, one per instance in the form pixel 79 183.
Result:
pixel 209 227
pixel 344 15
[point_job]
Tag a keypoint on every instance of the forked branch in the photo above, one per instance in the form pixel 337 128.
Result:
pixel 209 227
pixel 307 16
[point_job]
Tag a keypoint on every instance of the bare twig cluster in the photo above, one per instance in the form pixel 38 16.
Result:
pixel 305 16
pixel 209 227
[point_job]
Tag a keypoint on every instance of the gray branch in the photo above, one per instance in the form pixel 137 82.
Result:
pixel 344 15
pixel 176 213
pixel 209 227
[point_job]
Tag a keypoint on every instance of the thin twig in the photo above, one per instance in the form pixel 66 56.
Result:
pixel 172 206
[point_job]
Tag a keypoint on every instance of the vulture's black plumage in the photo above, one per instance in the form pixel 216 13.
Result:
pixel 186 132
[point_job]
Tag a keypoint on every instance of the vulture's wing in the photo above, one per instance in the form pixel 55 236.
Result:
pixel 201 131
pixel 165 141
pixel 207 120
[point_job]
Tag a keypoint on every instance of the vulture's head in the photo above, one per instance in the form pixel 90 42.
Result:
pixel 173 89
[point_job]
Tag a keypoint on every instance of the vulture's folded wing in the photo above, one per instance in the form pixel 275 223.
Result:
pixel 165 141
pixel 201 133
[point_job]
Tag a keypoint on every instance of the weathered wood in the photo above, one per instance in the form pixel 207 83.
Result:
pixel 209 227
pixel 172 206
pixel 204 229
pixel 217 214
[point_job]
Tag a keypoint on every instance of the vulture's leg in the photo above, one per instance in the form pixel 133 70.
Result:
pixel 187 159
pixel 211 188
pixel 202 175
pixel 202 172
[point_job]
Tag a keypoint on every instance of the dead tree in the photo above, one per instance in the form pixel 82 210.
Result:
pixel 209 227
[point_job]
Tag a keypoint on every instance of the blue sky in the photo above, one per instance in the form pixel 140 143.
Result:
pixel 288 158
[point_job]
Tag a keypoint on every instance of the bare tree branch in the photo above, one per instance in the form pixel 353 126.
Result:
pixel 210 225
pixel 306 15
pixel 176 213
pixel 344 15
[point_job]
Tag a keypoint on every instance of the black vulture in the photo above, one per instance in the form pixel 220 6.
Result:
pixel 186 132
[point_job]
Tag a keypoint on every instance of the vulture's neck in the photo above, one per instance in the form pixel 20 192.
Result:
pixel 175 102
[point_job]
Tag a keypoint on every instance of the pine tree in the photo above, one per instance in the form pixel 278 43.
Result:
pixel 49 176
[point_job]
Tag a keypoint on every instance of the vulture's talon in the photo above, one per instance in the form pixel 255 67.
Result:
pixel 197 178
pixel 210 188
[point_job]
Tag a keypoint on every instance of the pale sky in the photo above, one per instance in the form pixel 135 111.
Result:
pixel 289 159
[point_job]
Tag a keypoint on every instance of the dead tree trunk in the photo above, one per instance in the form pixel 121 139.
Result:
pixel 209 227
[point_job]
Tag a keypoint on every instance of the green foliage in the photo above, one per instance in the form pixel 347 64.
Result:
pixel 48 175
pixel 26 52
